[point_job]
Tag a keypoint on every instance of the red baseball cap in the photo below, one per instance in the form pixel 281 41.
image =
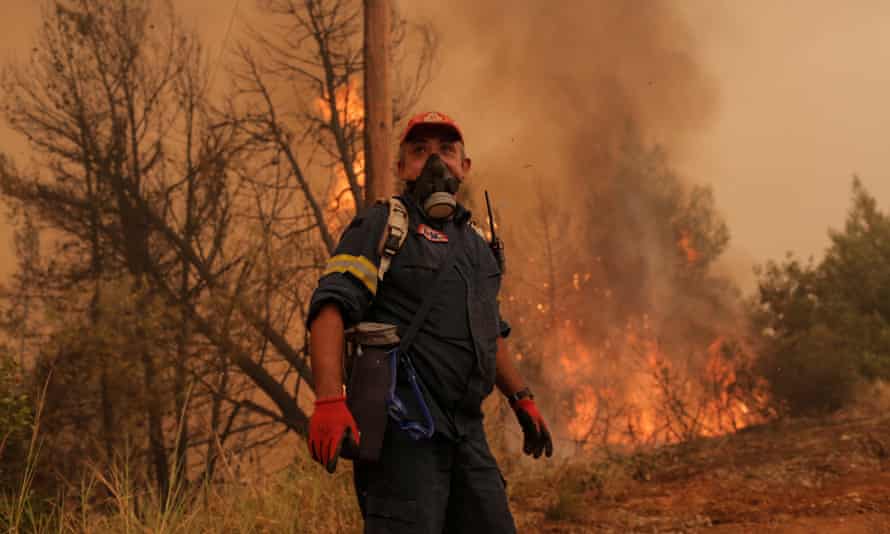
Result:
pixel 430 117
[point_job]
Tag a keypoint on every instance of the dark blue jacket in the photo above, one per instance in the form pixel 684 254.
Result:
pixel 454 352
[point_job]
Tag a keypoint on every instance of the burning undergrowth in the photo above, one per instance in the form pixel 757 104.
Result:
pixel 620 317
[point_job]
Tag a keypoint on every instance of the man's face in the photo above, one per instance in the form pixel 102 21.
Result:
pixel 426 140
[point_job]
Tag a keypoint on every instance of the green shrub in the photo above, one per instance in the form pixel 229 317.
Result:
pixel 811 374
pixel 824 327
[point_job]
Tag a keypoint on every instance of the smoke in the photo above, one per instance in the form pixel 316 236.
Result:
pixel 540 85
pixel 572 112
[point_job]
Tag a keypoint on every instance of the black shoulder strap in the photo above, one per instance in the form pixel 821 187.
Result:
pixel 454 245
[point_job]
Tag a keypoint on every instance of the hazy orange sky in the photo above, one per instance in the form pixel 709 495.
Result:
pixel 802 105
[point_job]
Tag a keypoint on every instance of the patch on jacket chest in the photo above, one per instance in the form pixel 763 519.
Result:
pixel 432 235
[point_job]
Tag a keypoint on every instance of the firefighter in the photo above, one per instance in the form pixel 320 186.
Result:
pixel 434 471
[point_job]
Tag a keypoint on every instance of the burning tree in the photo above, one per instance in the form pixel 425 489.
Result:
pixel 298 96
pixel 182 237
pixel 620 315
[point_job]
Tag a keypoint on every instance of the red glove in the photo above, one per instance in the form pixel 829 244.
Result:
pixel 330 426
pixel 537 436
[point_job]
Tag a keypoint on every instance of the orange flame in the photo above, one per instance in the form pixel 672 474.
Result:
pixel 351 112
pixel 654 401
pixel 685 244
pixel 348 99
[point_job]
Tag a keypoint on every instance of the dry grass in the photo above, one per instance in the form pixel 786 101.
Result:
pixel 838 467
pixel 300 499
pixel 304 498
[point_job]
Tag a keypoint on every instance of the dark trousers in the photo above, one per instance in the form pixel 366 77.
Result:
pixel 433 486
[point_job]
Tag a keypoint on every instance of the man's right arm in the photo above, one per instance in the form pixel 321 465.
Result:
pixel 344 293
pixel 331 426
pixel 326 351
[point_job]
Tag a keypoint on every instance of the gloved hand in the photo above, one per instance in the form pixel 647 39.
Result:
pixel 537 436
pixel 330 428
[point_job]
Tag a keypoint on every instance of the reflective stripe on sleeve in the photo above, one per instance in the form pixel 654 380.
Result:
pixel 358 266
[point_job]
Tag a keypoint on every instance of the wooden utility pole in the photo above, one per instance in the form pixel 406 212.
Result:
pixel 379 180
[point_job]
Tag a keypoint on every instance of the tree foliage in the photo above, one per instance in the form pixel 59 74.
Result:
pixel 824 326
pixel 171 232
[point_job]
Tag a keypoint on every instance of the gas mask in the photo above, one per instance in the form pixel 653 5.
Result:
pixel 434 189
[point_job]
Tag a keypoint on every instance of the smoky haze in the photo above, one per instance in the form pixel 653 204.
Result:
pixel 562 103
pixel 575 121
pixel 562 110
pixel 541 86
pixel 774 104
pixel 794 90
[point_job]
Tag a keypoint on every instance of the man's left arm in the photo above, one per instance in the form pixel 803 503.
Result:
pixel 508 379
pixel 537 439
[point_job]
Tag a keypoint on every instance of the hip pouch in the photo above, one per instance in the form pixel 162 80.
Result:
pixel 368 380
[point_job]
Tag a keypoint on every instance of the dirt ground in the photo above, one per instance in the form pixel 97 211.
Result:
pixel 801 476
